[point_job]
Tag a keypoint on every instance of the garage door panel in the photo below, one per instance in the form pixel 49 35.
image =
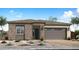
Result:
pixel 55 33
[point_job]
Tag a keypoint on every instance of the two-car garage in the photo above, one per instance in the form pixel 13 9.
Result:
pixel 55 33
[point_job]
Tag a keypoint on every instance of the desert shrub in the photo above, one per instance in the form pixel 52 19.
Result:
pixel 17 40
pixel 31 42
pixel 77 34
pixel 41 42
pixel 68 38
pixel 9 44
pixel 24 45
pixel 41 39
pixel 3 42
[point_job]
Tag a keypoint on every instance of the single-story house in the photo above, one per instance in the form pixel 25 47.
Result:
pixel 37 29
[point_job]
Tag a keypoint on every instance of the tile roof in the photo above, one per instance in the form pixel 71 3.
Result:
pixel 47 22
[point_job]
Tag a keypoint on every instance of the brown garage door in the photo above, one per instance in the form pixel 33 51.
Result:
pixel 55 33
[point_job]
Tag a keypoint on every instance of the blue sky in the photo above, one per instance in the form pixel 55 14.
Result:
pixel 35 13
pixel 62 14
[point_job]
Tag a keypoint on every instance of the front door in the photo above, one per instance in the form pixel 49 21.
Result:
pixel 36 32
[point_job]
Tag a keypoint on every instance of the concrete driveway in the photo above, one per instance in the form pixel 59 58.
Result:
pixel 64 44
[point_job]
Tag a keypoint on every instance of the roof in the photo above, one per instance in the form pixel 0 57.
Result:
pixel 46 22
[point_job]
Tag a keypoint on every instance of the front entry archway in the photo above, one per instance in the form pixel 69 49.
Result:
pixel 36 32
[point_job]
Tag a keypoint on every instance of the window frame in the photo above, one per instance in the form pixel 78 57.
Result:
pixel 20 27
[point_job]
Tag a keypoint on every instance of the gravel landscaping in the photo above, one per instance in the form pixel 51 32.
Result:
pixel 48 45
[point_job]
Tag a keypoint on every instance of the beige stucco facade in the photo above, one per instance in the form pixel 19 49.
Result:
pixel 27 30
pixel 12 31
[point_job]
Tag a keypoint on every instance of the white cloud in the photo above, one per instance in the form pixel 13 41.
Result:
pixel 19 15
pixel 77 10
pixel 66 16
pixel 12 14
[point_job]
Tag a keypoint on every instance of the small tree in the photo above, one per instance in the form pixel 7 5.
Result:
pixel 52 18
pixel 77 32
pixel 2 23
pixel 75 20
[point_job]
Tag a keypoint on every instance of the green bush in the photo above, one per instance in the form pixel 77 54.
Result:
pixel 77 32
pixel 41 44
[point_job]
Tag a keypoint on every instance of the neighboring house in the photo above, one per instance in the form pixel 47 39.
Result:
pixel 73 35
pixel 37 29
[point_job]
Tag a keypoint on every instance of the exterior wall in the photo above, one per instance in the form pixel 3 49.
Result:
pixel 68 33
pixel 28 31
pixel 42 32
pixel 12 31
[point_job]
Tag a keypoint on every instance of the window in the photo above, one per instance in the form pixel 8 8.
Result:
pixel 19 29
